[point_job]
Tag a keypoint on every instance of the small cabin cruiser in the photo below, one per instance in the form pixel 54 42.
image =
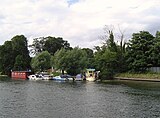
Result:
pixel 63 78
pixel 92 75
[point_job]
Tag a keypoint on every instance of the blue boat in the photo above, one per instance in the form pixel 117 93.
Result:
pixel 59 78
pixel 63 78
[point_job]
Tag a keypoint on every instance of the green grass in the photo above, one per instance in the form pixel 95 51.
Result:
pixel 4 78
pixel 56 73
pixel 139 75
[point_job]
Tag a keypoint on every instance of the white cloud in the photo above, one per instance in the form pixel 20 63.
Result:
pixel 80 23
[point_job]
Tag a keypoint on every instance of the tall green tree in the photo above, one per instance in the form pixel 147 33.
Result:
pixel 76 60
pixel 111 43
pixel 109 38
pixel 41 61
pixel 20 63
pixel 73 61
pixel 106 63
pixel 58 60
pixel 6 58
pixel 50 44
pixel 53 44
pixel 155 56
pixel 110 57
pixel 90 58
pixel 37 46
pixel 139 51
pixel 20 49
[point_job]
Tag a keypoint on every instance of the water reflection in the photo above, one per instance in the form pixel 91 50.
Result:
pixel 48 99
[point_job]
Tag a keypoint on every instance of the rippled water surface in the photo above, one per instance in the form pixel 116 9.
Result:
pixel 51 99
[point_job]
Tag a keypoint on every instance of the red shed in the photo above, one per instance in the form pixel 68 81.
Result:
pixel 20 74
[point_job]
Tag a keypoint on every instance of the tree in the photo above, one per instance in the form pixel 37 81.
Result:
pixel 155 56
pixel 6 58
pixel 41 61
pixel 139 50
pixel 73 61
pixel 14 55
pixel 53 44
pixel 108 38
pixel 20 49
pixel 106 62
pixel 50 44
pixel 89 52
pixel 20 63
pixel 110 57
pixel 37 46
pixel 90 58
pixel 110 42
pixel 58 60
pixel 76 60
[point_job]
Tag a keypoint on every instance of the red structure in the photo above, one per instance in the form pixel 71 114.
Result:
pixel 20 74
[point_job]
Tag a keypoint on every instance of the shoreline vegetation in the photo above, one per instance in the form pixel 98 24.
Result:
pixel 4 77
pixel 138 55
pixel 150 77
pixel 153 77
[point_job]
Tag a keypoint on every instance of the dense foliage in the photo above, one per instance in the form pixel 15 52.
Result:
pixel 6 57
pixel 50 44
pixel 110 57
pixel 106 62
pixel 14 55
pixel 140 53
pixel 73 61
pixel 41 61
pixel 20 53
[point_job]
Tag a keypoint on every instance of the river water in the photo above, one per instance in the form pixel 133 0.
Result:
pixel 52 99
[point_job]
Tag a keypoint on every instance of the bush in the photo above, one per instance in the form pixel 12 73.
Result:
pixel 106 74
pixel 56 73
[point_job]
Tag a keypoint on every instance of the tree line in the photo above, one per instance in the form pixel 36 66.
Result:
pixel 137 55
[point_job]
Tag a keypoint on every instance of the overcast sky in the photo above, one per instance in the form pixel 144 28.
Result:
pixel 80 22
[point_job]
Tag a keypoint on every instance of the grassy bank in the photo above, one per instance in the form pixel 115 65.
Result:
pixel 139 75
pixel 4 77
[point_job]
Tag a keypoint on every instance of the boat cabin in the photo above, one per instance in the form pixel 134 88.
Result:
pixel 90 73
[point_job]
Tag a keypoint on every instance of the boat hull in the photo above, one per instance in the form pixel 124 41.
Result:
pixel 58 78
pixel 35 77
pixel 92 79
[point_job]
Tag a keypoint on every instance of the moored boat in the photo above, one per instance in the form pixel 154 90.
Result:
pixel 47 77
pixel 92 75
pixel 79 77
pixel 35 77
pixel 59 78
pixel 63 78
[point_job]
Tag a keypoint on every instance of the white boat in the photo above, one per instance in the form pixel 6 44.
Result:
pixel 46 77
pixel 63 78
pixel 59 78
pixel 92 79
pixel 92 75
pixel 35 77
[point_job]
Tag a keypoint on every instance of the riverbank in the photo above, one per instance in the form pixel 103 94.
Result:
pixel 152 77
pixel 4 77
pixel 137 79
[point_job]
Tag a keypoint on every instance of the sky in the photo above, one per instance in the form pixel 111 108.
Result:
pixel 80 22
